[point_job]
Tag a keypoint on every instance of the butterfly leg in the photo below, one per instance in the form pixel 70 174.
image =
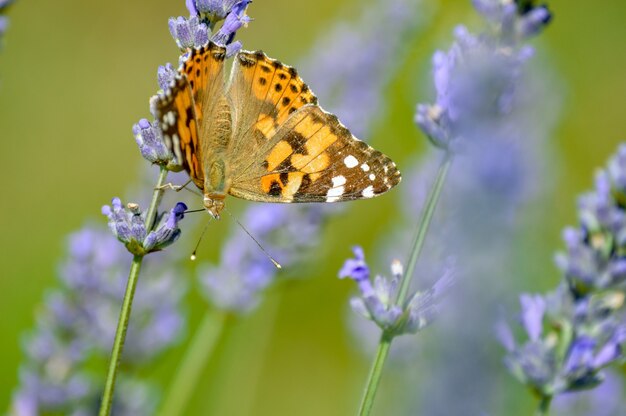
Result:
pixel 173 187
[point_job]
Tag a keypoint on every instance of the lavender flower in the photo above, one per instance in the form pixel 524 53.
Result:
pixel 77 325
pixel 569 341
pixel 474 67
pixel 188 33
pixel 128 225
pixel 586 312
pixel 165 76
pixel 195 31
pixel 214 10
pixel 594 258
pixel 378 301
pixel 490 111
pixel 514 19
pixel 235 20
pixel 245 271
pixel 149 138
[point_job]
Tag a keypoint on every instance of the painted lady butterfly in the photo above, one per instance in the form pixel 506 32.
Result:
pixel 261 136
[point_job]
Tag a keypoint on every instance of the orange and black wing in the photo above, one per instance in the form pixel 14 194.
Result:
pixel 186 109
pixel 312 157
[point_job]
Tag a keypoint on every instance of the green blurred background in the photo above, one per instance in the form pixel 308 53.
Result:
pixel 75 76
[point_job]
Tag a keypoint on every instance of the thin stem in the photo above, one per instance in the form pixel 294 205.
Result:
pixel 422 229
pixel 122 324
pixel 544 406
pixel 193 363
pixel 120 335
pixel 157 195
pixel 375 374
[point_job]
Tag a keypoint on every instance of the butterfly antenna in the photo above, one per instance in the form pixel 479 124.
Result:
pixel 191 211
pixel 195 250
pixel 274 262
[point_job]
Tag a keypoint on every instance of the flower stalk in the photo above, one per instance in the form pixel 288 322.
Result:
pixel 387 335
pixel 122 325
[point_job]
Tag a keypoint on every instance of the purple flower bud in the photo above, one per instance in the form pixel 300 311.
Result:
pixel 128 225
pixel 167 232
pixel 580 357
pixel 533 309
pixel 355 268
pixel 191 6
pixel 149 138
pixel 166 75
pixel 188 33
pixel 214 10
pixel 235 20
pixel 534 21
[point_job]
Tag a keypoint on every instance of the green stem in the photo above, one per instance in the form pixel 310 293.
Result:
pixel 422 229
pixel 193 363
pixel 157 195
pixel 122 324
pixel 375 374
pixel 120 335
pixel 544 406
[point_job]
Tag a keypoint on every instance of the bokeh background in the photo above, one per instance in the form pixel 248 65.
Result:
pixel 75 76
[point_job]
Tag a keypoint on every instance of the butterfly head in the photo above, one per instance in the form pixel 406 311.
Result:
pixel 214 204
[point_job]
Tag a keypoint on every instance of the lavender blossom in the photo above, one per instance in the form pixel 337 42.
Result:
pixel 587 309
pixel 569 342
pixel 594 257
pixel 234 21
pixel 477 67
pixel 77 325
pixel 214 10
pixel 490 111
pixel 165 75
pixel 188 33
pixel 515 19
pixel 149 138
pixel 128 225
pixel 245 271
pixel 195 31
pixel 378 301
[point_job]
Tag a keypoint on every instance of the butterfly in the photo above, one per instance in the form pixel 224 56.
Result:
pixel 261 136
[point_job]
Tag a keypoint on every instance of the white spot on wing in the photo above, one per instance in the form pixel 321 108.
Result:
pixel 176 146
pixel 169 118
pixel 372 176
pixel 350 161
pixel 339 181
pixel 334 194
pixel 365 167
pixel 368 192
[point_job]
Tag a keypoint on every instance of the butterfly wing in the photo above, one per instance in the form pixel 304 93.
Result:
pixel 285 148
pixel 263 93
pixel 314 158
pixel 189 111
